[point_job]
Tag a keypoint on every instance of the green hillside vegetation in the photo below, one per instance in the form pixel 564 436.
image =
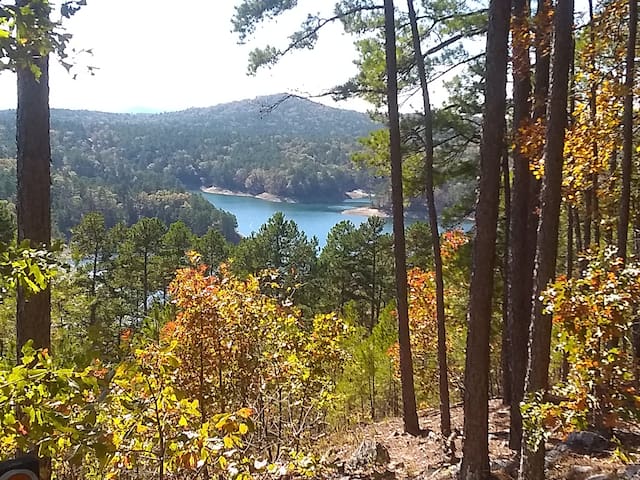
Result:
pixel 131 165
pixel 299 149
pixel 152 347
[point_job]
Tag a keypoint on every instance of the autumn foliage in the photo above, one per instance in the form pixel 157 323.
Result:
pixel 422 320
pixel 593 316
pixel 241 348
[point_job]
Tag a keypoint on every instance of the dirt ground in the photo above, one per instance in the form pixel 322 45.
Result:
pixel 424 457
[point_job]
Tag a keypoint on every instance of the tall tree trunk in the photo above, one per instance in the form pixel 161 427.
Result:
pixel 627 132
pixel 578 235
pixel 410 415
pixel 34 184
pixel 544 28
pixel 564 372
pixel 33 312
pixel 519 287
pixel 475 460
pixel 588 215
pixel 443 377
pixel 636 256
pixel 570 250
pixel 506 350
pixel 592 193
pixel 145 283
pixel 611 189
pixel 532 460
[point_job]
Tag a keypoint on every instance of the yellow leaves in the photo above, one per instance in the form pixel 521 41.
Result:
pixel 194 257
pixel 239 347
pixel 591 314
pixel 228 442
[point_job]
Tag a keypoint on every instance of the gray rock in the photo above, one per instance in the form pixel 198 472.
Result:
pixel 630 472
pixel 587 441
pixel 581 472
pixel 556 454
pixel 499 464
pixel 369 453
pixel 601 476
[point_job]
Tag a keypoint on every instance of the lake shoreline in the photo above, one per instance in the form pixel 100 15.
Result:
pixel 359 194
pixel 366 212
pixel 269 197
pixel 312 219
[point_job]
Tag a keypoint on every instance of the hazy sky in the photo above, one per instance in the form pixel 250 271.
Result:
pixel 166 55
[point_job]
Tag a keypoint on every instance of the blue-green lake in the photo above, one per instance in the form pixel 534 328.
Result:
pixel 314 219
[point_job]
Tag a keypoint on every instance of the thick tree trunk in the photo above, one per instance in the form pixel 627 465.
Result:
pixel 475 460
pixel 443 377
pixel 410 415
pixel 525 250
pixel 627 132
pixel 34 185
pixel 532 460
pixel 519 287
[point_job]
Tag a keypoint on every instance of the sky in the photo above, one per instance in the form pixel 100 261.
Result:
pixel 161 55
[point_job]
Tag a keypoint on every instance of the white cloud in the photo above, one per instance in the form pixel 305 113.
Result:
pixel 154 55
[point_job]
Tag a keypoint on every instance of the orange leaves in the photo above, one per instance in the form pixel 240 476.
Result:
pixel 530 138
pixel 452 240
pixel 593 316
pixel 242 349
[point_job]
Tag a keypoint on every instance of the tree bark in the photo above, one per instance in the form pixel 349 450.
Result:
pixel 564 372
pixel 540 95
pixel 443 377
pixel 410 415
pixel 627 132
pixel 475 460
pixel 532 460
pixel 506 350
pixel 33 320
pixel 520 268
pixel 592 193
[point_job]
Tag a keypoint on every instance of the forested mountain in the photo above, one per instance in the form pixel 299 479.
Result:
pixel 296 148
pixel 128 165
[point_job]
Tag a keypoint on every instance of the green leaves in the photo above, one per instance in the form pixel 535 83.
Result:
pixel 25 266
pixel 249 13
pixel 43 407
pixel 593 318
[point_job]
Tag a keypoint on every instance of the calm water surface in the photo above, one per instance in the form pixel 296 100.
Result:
pixel 313 219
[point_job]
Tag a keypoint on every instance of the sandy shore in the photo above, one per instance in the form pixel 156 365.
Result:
pixel 263 196
pixel 223 191
pixel 366 211
pixel 357 194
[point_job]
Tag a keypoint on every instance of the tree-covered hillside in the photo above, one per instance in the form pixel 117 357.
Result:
pixel 130 165
pixel 294 148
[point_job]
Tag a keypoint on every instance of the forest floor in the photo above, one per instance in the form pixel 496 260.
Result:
pixel 402 456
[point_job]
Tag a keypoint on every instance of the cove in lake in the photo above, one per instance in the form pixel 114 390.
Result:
pixel 312 218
